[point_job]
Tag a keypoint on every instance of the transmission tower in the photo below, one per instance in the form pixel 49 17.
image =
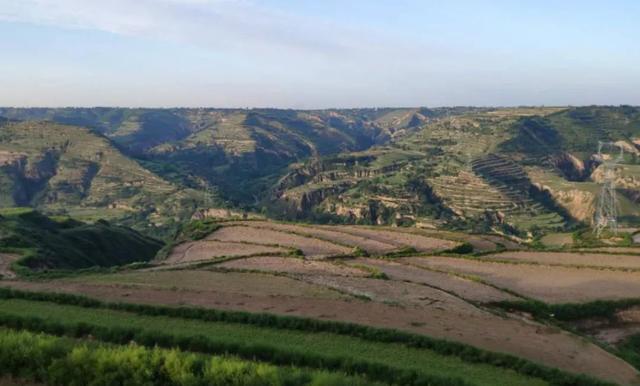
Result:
pixel 607 209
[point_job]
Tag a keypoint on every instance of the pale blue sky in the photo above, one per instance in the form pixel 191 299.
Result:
pixel 321 53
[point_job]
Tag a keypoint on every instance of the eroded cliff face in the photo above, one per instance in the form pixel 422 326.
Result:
pixel 626 177
pixel 580 204
pixel 27 176
pixel 572 167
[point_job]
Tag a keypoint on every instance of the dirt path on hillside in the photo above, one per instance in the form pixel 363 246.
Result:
pixel 447 317
pixel 5 265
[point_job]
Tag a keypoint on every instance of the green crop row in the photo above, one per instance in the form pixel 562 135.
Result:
pixel 464 352
pixel 63 361
pixel 221 346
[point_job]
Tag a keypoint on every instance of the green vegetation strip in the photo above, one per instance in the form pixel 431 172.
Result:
pixel 63 361
pixel 378 361
pixel 278 339
pixel 569 311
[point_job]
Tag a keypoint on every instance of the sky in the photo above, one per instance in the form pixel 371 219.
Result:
pixel 318 53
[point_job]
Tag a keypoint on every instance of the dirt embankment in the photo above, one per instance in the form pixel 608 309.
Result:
pixel 5 265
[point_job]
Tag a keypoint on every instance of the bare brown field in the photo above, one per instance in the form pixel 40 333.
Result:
pixel 293 266
pixel 571 259
pixel 313 248
pixel 406 306
pixel 480 243
pixel 369 245
pixel 5 265
pixel 549 284
pixel 248 284
pixel 464 288
pixel 629 250
pixel 557 239
pixel 399 239
pixel 209 249
pixel 9 381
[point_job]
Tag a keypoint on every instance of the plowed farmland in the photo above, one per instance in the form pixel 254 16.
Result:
pixel 321 272
pixel 550 284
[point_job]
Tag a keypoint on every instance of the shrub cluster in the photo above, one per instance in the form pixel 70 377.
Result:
pixel 376 371
pixel 59 361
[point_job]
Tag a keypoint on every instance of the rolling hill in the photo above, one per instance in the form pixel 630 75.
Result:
pixel 503 169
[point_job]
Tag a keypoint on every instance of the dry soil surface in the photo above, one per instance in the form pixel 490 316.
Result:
pixel 293 266
pixel 400 239
pixel 571 259
pixel 311 247
pixel 330 234
pixel 209 249
pixel 5 265
pixel 464 288
pixel 425 310
pixel 549 284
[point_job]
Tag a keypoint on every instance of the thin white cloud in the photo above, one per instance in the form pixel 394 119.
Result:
pixel 214 24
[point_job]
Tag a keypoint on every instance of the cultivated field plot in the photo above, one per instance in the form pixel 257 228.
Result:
pixel 383 303
pixel 546 283
pixel 202 281
pixel 310 247
pixel 585 259
pixel 293 266
pixel 616 250
pixel 399 239
pixel 334 235
pixel 209 249
pixel 464 288
pixel 284 340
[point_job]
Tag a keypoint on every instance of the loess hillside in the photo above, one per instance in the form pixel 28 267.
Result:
pixel 71 170
pixel 503 169
pixel 510 170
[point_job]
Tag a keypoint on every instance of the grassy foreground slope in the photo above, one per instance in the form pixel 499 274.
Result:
pixel 381 355
pixel 47 243
pixel 64 361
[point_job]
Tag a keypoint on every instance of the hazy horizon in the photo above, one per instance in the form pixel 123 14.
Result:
pixel 313 55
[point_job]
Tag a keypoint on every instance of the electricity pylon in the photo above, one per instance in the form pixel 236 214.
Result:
pixel 607 210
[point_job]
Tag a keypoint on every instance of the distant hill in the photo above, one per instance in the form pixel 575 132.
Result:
pixel 71 170
pixel 523 168
pixel 237 153
pixel 48 243
pixel 506 169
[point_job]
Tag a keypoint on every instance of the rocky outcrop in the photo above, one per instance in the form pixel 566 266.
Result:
pixel 572 167
pixel 29 176
pixel 304 200
pixel 625 179
pixel 579 204
pixel 222 213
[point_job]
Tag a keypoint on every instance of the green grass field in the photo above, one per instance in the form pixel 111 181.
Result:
pixel 324 344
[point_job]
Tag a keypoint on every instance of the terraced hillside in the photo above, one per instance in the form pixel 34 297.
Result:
pixel 442 171
pixel 500 169
pixel 508 170
pixel 234 151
